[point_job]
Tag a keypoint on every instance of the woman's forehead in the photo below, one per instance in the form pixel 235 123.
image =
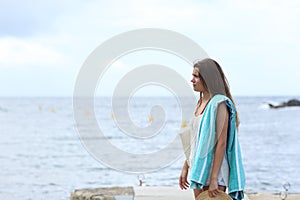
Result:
pixel 195 70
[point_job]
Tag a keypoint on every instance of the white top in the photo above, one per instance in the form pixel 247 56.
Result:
pixel 194 128
pixel 189 136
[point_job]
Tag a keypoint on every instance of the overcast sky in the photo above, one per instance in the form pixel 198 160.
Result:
pixel 43 44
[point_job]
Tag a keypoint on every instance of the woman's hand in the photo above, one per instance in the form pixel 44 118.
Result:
pixel 213 189
pixel 183 183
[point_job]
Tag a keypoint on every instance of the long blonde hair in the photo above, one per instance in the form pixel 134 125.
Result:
pixel 214 80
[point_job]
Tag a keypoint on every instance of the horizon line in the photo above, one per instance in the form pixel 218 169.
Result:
pixel 106 96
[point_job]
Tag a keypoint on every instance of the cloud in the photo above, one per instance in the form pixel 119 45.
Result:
pixel 30 17
pixel 159 14
pixel 16 52
pixel 247 36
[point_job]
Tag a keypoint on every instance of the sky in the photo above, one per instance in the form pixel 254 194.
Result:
pixel 43 44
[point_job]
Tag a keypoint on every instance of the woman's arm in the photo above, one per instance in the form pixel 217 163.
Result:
pixel 220 147
pixel 183 182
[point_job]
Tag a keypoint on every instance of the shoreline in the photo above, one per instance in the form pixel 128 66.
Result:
pixel 162 193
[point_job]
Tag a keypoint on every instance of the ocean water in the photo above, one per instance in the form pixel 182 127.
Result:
pixel 42 156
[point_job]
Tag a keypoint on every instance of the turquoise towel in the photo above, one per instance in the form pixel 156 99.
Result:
pixel 203 156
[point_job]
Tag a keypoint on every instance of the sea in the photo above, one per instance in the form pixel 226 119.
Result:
pixel 43 156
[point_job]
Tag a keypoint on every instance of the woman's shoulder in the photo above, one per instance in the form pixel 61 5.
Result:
pixel 219 97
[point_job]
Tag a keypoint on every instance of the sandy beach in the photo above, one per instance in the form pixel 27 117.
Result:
pixel 169 193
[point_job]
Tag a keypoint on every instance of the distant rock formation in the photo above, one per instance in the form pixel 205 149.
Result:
pixel 292 102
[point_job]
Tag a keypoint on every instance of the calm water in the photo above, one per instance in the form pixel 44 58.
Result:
pixel 42 157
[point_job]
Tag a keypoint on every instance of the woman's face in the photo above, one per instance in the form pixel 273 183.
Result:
pixel 197 82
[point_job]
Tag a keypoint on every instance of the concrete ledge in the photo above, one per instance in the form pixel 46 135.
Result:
pixel 162 193
pixel 157 193
pixel 111 193
pixel 265 196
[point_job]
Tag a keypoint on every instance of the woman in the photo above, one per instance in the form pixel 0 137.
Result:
pixel 215 160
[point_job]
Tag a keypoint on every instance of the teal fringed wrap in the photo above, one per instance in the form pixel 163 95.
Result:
pixel 205 142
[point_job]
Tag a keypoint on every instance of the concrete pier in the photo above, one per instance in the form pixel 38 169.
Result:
pixel 157 193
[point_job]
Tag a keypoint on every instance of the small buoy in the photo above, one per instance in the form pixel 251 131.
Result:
pixel 150 119
pixel 52 110
pixel 86 112
pixel 183 124
pixel 40 107
pixel 112 116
